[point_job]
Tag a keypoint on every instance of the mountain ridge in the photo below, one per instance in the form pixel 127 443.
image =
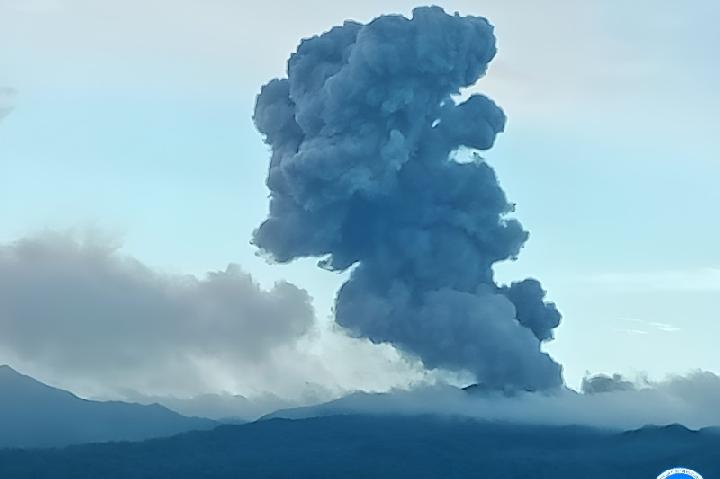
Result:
pixel 368 446
pixel 34 414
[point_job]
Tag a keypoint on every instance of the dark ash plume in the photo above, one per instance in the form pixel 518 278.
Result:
pixel 602 383
pixel 362 173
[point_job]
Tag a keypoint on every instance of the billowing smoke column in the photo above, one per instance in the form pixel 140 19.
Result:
pixel 362 173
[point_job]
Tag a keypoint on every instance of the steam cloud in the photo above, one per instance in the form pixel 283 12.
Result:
pixel 363 133
pixel 81 308
pixel 606 402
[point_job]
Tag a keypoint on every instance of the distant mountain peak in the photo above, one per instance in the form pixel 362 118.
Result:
pixel 34 414
pixel 666 430
pixel 8 373
pixel 14 382
pixel 5 369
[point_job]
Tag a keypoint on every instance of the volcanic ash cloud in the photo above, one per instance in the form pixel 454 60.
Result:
pixel 363 133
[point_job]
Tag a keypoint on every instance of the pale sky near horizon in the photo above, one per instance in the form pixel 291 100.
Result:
pixel 134 118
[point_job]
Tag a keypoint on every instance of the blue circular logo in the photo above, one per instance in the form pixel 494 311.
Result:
pixel 679 473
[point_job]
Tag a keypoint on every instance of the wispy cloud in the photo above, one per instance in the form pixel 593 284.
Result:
pixel 694 280
pixel 665 327
pixel 647 327
pixel 632 331
pixel 7 101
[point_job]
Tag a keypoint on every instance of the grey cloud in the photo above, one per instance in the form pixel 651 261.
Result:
pixel 82 309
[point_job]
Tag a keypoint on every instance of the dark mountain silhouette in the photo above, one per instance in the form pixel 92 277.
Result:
pixel 380 447
pixel 33 414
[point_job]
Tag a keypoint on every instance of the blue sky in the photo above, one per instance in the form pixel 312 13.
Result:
pixel 134 118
